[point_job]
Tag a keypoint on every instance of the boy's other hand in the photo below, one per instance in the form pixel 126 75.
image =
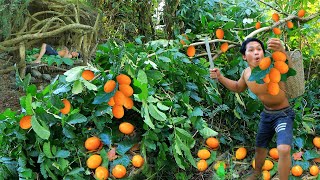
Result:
pixel 276 44
pixel 215 73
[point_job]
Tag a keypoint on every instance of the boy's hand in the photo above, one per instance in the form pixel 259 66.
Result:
pixel 275 44
pixel 215 73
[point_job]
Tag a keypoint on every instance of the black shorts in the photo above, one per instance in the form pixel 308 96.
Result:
pixel 50 50
pixel 279 122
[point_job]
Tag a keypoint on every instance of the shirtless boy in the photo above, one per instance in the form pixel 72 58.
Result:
pixel 277 116
pixel 47 49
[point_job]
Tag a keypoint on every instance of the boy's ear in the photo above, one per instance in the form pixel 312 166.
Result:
pixel 244 57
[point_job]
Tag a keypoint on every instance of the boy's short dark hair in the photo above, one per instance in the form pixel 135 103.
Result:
pixel 244 45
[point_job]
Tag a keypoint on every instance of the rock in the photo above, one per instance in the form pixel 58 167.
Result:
pixel 46 77
pixel 36 73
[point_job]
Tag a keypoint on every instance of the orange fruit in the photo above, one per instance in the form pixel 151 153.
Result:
pixel 25 122
pixel 273 88
pixel 212 142
pixel 275 17
pixel 111 101
pixel 266 175
pixel 191 51
pixel 202 165
pixel 67 106
pixel 137 161
pixel 101 173
pixel 128 103
pixel 219 33
pixel 314 170
pixel 274 153
pixel 204 154
pixel 258 25
pixel 279 56
pixel 301 13
pixel 119 171
pixel 92 143
pixel 218 164
pixel 126 89
pixel 316 141
pixel 118 111
pixel 241 153
pixel 224 47
pixel 296 170
pixel 274 75
pixel 94 161
pixel 281 66
pixel 266 79
pixel 264 63
pixel 87 75
pixel 289 24
pixel 123 79
pixel 182 41
pixel 119 98
pixel 109 86
pixel 126 128
pixel 268 165
pixel 276 31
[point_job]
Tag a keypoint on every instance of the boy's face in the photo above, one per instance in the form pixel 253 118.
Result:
pixel 254 53
pixel 74 54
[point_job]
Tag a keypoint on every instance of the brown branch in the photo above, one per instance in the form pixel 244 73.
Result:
pixel 212 41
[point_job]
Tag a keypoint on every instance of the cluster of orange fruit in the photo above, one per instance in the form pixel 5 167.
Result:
pixel 204 154
pixel 122 95
pixel 191 50
pixel 276 18
pixel 274 76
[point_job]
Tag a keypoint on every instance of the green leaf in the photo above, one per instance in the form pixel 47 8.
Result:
pixel 142 77
pixel 67 61
pixel 56 102
pixel 28 101
pixel 162 106
pixel 310 154
pixel 124 146
pixel 197 111
pixel 77 87
pixel 185 135
pixel 178 120
pixel 155 113
pixel 291 72
pixel 40 130
pixel 257 73
pixel 76 118
pixel 74 73
pixel 89 85
pixel 207 132
pixel 178 158
pixel 145 115
pixel 62 154
pixel 76 171
pixel 32 89
pixel 124 160
pixel 102 97
pixel 164 59
pixel 235 112
pixel 106 138
pixel 187 152
pixel 47 149
pixel 239 100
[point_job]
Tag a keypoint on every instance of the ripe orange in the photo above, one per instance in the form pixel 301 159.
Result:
pixel 101 173
pixel 111 101
pixel 109 86
pixel 128 103
pixel 273 88
pixel 274 153
pixel 25 122
pixel 119 98
pixel 212 142
pixel 268 165
pixel 202 165
pixel 275 17
pixel 67 106
pixel 118 111
pixel 204 154
pixel 241 153
pixel 182 41
pixel 123 79
pixel 126 128
pixel 119 171
pixel 316 141
pixel 258 25
pixel 191 51
pixel 224 47
pixel 289 24
pixel 314 170
pixel 266 79
pixel 281 66
pixel 265 63
pixel 137 161
pixel 301 13
pixel 274 75
pixel 94 161
pixel 126 89
pixel 276 31
pixel 219 33
pixel 266 175
pixel 87 75
pixel 92 143
pixel 218 164
pixel 296 170
pixel 279 56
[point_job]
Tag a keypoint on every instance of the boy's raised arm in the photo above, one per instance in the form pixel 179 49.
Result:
pixel 235 86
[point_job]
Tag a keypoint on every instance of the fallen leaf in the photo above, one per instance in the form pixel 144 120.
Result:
pixel 297 156
pixel 112 154
pixel 136 147
pixel 316 160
